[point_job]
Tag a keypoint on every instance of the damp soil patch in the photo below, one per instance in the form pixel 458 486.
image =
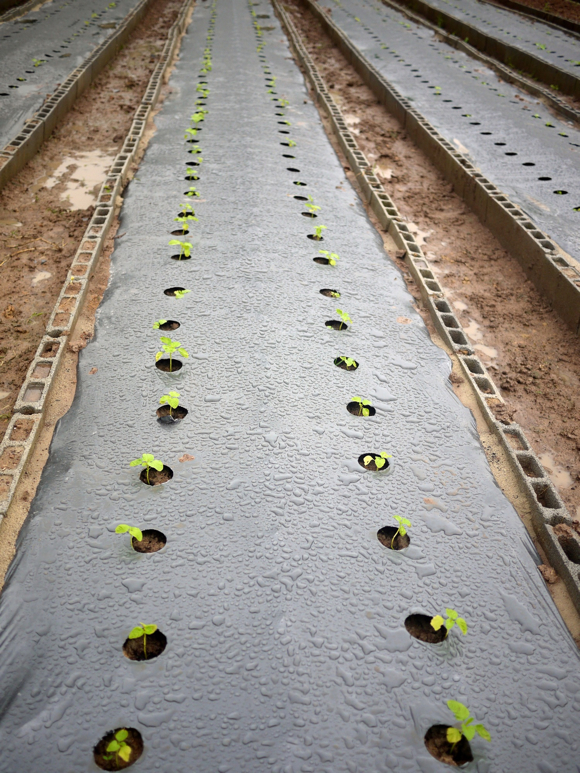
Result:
pixel 371 464
pixel 420 627
pixel 329 293
pixel 340 363
pixel 169 324
pixel 169 366
pixel 356 409
pixel 387 533
pixel 156 477
pixel 172 290
pixel 137 649
pixel 335 324
pixel 108 761
pixel 168 415
pixel 153 540
pixel 453 754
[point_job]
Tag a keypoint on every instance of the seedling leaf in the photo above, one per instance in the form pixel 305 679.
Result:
pixel 122 528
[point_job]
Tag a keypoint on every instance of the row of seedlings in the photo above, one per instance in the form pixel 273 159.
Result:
pixel 121 747
pixel 448 743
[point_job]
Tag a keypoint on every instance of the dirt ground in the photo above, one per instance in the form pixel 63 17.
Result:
pixel 530 353
pixel 44 211
pixel 567 9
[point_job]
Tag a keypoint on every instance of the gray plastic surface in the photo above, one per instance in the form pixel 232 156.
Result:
pixel 462 99
pixel 57 33
pixel 284 614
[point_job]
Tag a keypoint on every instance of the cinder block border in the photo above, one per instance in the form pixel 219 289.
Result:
pixel 37 129
pixel 552 274
pixel 36 389
pixel 545 504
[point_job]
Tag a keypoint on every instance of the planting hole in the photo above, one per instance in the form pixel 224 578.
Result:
pixel 292 169
pixel 354 408
pixel 308 214
pixel 329 293
pixel 156 477
pixel 322 261
pixel 301 198
pixel 177 256
pixel 453 754
pixel 420 627
pixel 340 363
pixel 170 324
pixel 297 182
pixel 528 163
pixel 287 155
pixel 371 465
pixel 167 416
pixel 315 238
pixel 561 193
pixel 172 290
pixel 113 761
pixel 385 537
pixel 154 646
pixel 168 366
pixel 336 324
pixel 544 179
pixel 152 541
pixel 180 232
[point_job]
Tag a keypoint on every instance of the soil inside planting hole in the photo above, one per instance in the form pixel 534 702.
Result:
pixel 172 290
pixel 113 761
pixel 169 366
pixel 356 410
pixel 322 261
pixel 134 650
pixel 156 477
pixel 342 364
pixel 169 415
pixel 315 238
pixel 385 537
pixel 180 232
pixel 170 324
pixel 453 754
pixel 420 627
pixel 329 293
pixel 152 541
pixel 371 465
pixel 179 257
pixel 334 324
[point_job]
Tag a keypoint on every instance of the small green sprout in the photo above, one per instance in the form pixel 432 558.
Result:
pixel 197 117
pixel 38 62
pixel 172 400
pixel 147 461
pixel 362 409
pixel 184 247
pixel 452 618
pixel 291 143
pixel 196 149
pixel 311 206
pixel 344 318
pixel 143 631
pixel 123 528
pixel 191 174
pixel 398 518
pixel 158 323
pixel 541 46
pixel 334 294
pixel 193 191
pixel 284 102
pixel 170 347
pixel 180 293
pixel 119 748
pixel 112 5
pixel 348 361
pixel 189 134
pixel 380 460
pixel 318 229
pixel 184 220
pixel 468 730
pixel 332 257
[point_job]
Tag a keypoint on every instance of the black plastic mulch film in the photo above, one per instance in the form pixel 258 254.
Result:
pixel 284 615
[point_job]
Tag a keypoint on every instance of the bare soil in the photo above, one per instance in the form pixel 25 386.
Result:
pixel 39 231
pixel 420 627
pixel 529 351
pixel 567 9
pixel 152 541
pixel 453 754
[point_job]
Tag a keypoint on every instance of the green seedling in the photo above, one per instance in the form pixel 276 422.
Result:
pixel 170 347
pixel 362 409
pixel 332 257
pixel 403 522
pixel 38 62
pixel 284 102
pixel 189 133
pixel 348 361
pixel 467 729
pixel 197 117
pixel 452 618
pixel 118 748
pixel 318 229
pixel 172 400
pixel 180 293
pixel 334 294
pixel 112 5
pixel 541 46
pixel 380 460
pixel 193 191
pixel 311 206
pixel 184 220
pixel 147 461
pixel 291 143
pixel 157 325
pixel 184 247
pixel 123 528
pixel 191 175
pixel 143 631
pixel 196 149
pixel 344 318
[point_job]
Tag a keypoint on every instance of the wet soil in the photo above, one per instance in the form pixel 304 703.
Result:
pixel 567 9
pixel 177 414
pixel 152 541
pixel 113 762
pixel 420 627
pixel 453 754
pixel 39 228
pixel 342 364
pixel 385 537
pixel 134 649
pixel 530 353
pixel 372 465
pixel 156 477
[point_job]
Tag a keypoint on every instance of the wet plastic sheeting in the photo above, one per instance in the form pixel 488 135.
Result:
pixel 58 37
pixel 507 134
pixel 284 614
